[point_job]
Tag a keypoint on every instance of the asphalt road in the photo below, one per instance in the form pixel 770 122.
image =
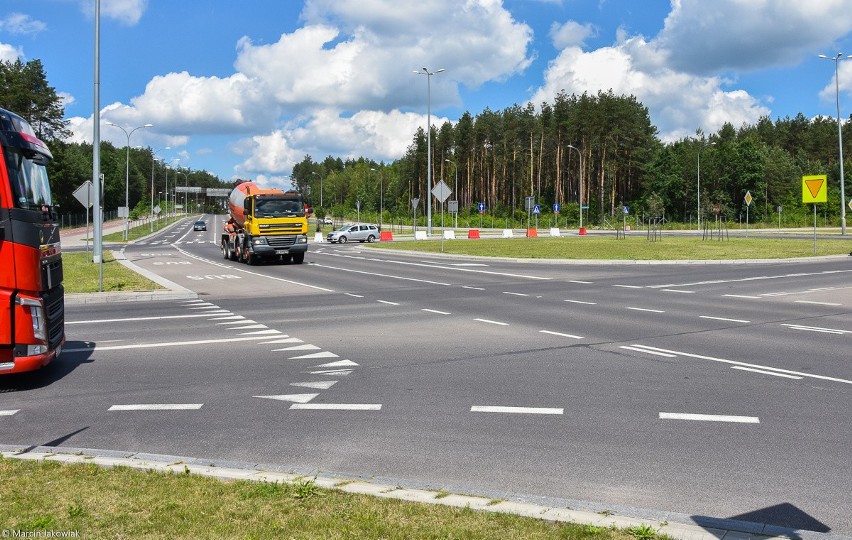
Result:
pixel 704 389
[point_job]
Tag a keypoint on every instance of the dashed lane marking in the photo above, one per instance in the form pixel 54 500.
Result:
pixel 337 406
pixel 498 323
pixel 817 329
pixel 560 334
pixel 764 372
pixel 516 410
pixel 816 303
pixel 646 309
pixel 436 311
pixel 582 302
pixel 158 407
pixel 710 418
pixel 725 319
pixel 294 398
pixel 388 302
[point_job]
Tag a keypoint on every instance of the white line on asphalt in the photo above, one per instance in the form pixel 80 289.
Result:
pixel 316 385
pixel 679 291
pixel 816 329
pixel 763 371
pixel 332 372
pixel 492 322
pixel 436 311
pixel 337 406
pixel 516 410
pixel 753 278
pixel 628 286
pixel 710 418
pixel 437 265
pixel 9 412
pixel 158 407
pixel 578 281
pixel 560 334
pixel 354 295
pixel 474 288
pixel 295 398
pixel 338 364
pixel 734 362
pixel 388 276
pixel 167 344
pixel 261 333
pixel 817 303
pixel 305 347
pixel 249 327
pixel 742 296
pixel 134 319
pixel 242 320
pixel 284 339
pixel 639 348
pixel 388 302
pixel 581 302
pixel 323 354
pixel 646 309
pixel 722 319
pixel 515 293
pixel 230 317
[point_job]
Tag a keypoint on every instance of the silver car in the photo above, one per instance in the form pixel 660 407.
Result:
pixel 357 232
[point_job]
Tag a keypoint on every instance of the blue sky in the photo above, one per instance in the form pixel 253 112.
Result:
pixel 247 89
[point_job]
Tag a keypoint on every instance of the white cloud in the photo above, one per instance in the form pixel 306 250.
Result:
pixel 10 53
pixel 19 23
pixel 704 37
pixel 571 34
pixel 844 72
pixel 127 12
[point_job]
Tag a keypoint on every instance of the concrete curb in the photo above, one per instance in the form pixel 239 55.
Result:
pixel 677 526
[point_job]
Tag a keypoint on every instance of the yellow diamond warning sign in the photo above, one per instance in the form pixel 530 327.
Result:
pixel 814 189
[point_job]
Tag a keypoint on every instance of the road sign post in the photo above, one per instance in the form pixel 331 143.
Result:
pixel 748 199
pixel 814 190
pixel 84 195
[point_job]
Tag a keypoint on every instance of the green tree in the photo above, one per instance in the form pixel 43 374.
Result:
pixel 25 91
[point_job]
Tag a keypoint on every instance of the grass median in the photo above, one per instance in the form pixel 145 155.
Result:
pixel 121 502
pixel 83 276
pixel 632 248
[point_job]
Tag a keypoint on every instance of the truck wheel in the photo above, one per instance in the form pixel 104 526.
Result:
pixel 225 250
pixel 298 258
pixel 232 255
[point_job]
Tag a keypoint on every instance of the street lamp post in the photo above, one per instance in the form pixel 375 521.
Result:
pixel 185 186
pixel 456 192
pixel 127 175
pixel 153 162
pixel 581 184
pixel 837 58
pixel 425 71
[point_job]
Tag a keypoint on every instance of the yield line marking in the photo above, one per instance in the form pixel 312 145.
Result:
pixel 766 372
pixel 516 410
pixel 560 334
pixel 492 322
pixel 337 406
pixel 158 407
pixel 646 309
pixel 722 319
pixel 710 418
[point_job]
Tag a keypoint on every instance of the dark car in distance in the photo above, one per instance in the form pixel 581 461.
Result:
pixel 199 226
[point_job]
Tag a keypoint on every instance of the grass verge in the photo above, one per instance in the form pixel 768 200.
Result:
pixel 129 503
pixel 83 276
pixel 632 248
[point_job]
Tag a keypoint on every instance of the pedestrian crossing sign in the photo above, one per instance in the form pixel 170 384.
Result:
pixel 814 189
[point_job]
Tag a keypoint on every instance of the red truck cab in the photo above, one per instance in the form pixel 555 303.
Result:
pixel 32 299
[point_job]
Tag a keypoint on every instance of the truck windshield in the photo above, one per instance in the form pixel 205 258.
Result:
pixel 278 208
pixel 28 176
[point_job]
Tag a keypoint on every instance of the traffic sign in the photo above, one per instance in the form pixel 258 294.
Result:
pixel 415 202
pixel 556 208
pixel 626 209
pixel 536 209
pixel 441 191
pixel 529 203
pixel 814 189
pixel 482 208
pixel 84 194
pixel 748 198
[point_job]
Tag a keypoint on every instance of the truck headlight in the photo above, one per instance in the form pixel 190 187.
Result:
pixel 259 241
pixel 302 239
pixel 36 309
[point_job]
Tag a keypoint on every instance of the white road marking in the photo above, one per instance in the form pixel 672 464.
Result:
pixel 280 341
pixel 710 418
pixel 387 276
pixel 166 344
pixel 243 321
pixel 295 398
pixel 581 302
pixel 628 286
pixel 492 322
pixel 723 319
pixel 337 406
pixel 332 372
pixel 679 291
pixel 354 295
pixel 338 364
pixel 317 385
pixel 134 319
pixel 261 333
pixel 516 410
pixel 388 302
pixel 754 278
pixel 515 293
pixel 581 282
pixel 646 309
pixel 249 327
pixel 9 412
pixel 816 329
pixel 230 317
pixel 473 288
pixel 817 303
pixel 742 296
pixel 763 371
pixel 158 407
pixel 305 347
pixel 323 354
pixel 560 334
pixel 639 348
pixel 436 311
pixel 736 363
